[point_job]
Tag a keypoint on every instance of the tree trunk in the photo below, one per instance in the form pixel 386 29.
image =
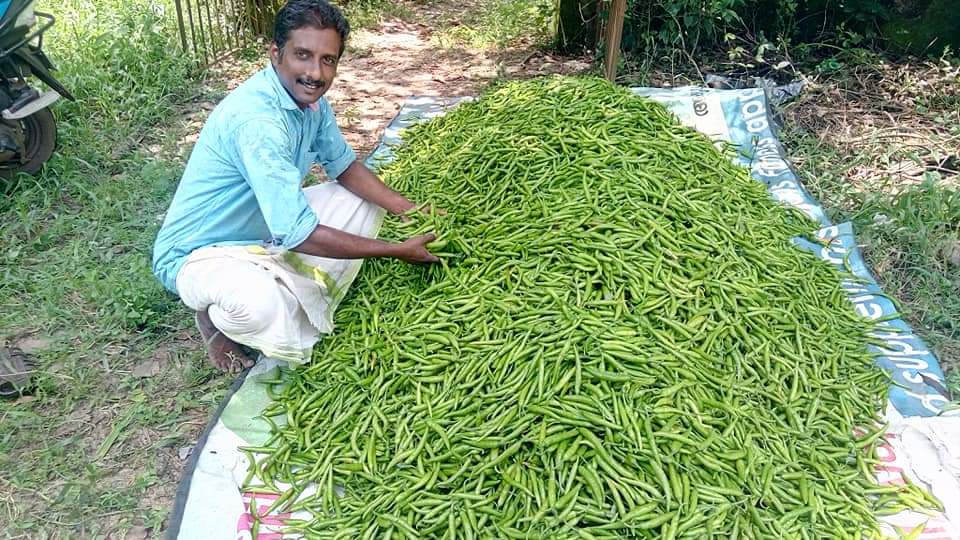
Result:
pixel 577 24
pixel 612 42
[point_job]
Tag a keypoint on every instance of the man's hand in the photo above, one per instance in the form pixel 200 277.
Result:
pixel 363 183
pixel 336 244
pixel 425 209
pixel 414 250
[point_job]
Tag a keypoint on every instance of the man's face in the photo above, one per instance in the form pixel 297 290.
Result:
pixel 307 64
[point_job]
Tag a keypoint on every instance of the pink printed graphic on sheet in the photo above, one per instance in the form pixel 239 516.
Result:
pixel 269 525
pixel 890 473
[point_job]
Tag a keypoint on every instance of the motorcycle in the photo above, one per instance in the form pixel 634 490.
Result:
pixel 28 130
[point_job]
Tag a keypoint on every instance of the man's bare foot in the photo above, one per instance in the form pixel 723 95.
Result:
pixel 223 352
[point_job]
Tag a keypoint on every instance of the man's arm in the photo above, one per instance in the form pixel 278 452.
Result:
pixel 364 184
pixel 336 244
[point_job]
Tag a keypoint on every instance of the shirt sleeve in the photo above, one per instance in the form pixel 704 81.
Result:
pixel 333 152
pixel 266 161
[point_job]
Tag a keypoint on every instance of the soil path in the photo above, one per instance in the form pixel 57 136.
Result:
pixel 384 66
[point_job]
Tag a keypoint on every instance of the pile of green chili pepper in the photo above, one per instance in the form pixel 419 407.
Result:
pixel 621 341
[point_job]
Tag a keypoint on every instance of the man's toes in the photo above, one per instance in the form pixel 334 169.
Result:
pixel 221 363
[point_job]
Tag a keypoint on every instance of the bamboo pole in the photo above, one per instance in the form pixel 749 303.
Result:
pixel 234 22
pixel 180 27
pixel 193 31
pixel 214 31
pixel 618 11
pixel 203 33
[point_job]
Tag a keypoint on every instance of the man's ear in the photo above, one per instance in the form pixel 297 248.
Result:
pixel 276 53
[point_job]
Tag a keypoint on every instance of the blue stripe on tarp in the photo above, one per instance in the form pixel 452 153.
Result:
pixel 750 130
pixel 904 355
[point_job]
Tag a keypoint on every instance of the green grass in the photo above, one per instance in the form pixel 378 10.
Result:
pixel 94 451
pixel 499 23
pixel 907 238
pixel 368 13
pixel 75 243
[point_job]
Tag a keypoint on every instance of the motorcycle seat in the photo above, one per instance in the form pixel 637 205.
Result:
pixel 13 36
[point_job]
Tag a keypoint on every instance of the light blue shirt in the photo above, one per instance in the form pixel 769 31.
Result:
pixel 243 182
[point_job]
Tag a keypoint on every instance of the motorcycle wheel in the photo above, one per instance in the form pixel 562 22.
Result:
pixel 39 141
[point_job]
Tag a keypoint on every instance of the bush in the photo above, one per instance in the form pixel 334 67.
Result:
pixel 502 23
pixel 685 24
pixel 695 25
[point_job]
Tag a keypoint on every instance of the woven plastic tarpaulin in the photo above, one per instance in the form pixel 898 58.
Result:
pixel 919 442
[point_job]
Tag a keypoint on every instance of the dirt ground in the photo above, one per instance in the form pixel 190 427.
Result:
pixel 385 66
pixel 905 113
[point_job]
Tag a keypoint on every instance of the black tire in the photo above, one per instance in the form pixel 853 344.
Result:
pixel 39 141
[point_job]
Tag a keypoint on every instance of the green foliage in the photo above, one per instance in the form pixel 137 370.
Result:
pixel 933 30
pixel 365 13
pixel 692 25
pixel 683 24
pixel 79 235
pixel 918 232
pixel 121 60
pixel 502 23
pixel 75 246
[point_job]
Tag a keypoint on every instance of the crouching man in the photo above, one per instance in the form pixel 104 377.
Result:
pixel 257 256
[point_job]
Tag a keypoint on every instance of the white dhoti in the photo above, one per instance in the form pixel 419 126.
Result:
pixel 279 301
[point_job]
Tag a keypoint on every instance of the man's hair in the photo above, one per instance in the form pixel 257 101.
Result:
pixel 297 14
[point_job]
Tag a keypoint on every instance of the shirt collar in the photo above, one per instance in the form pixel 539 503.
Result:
pixel 286 102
